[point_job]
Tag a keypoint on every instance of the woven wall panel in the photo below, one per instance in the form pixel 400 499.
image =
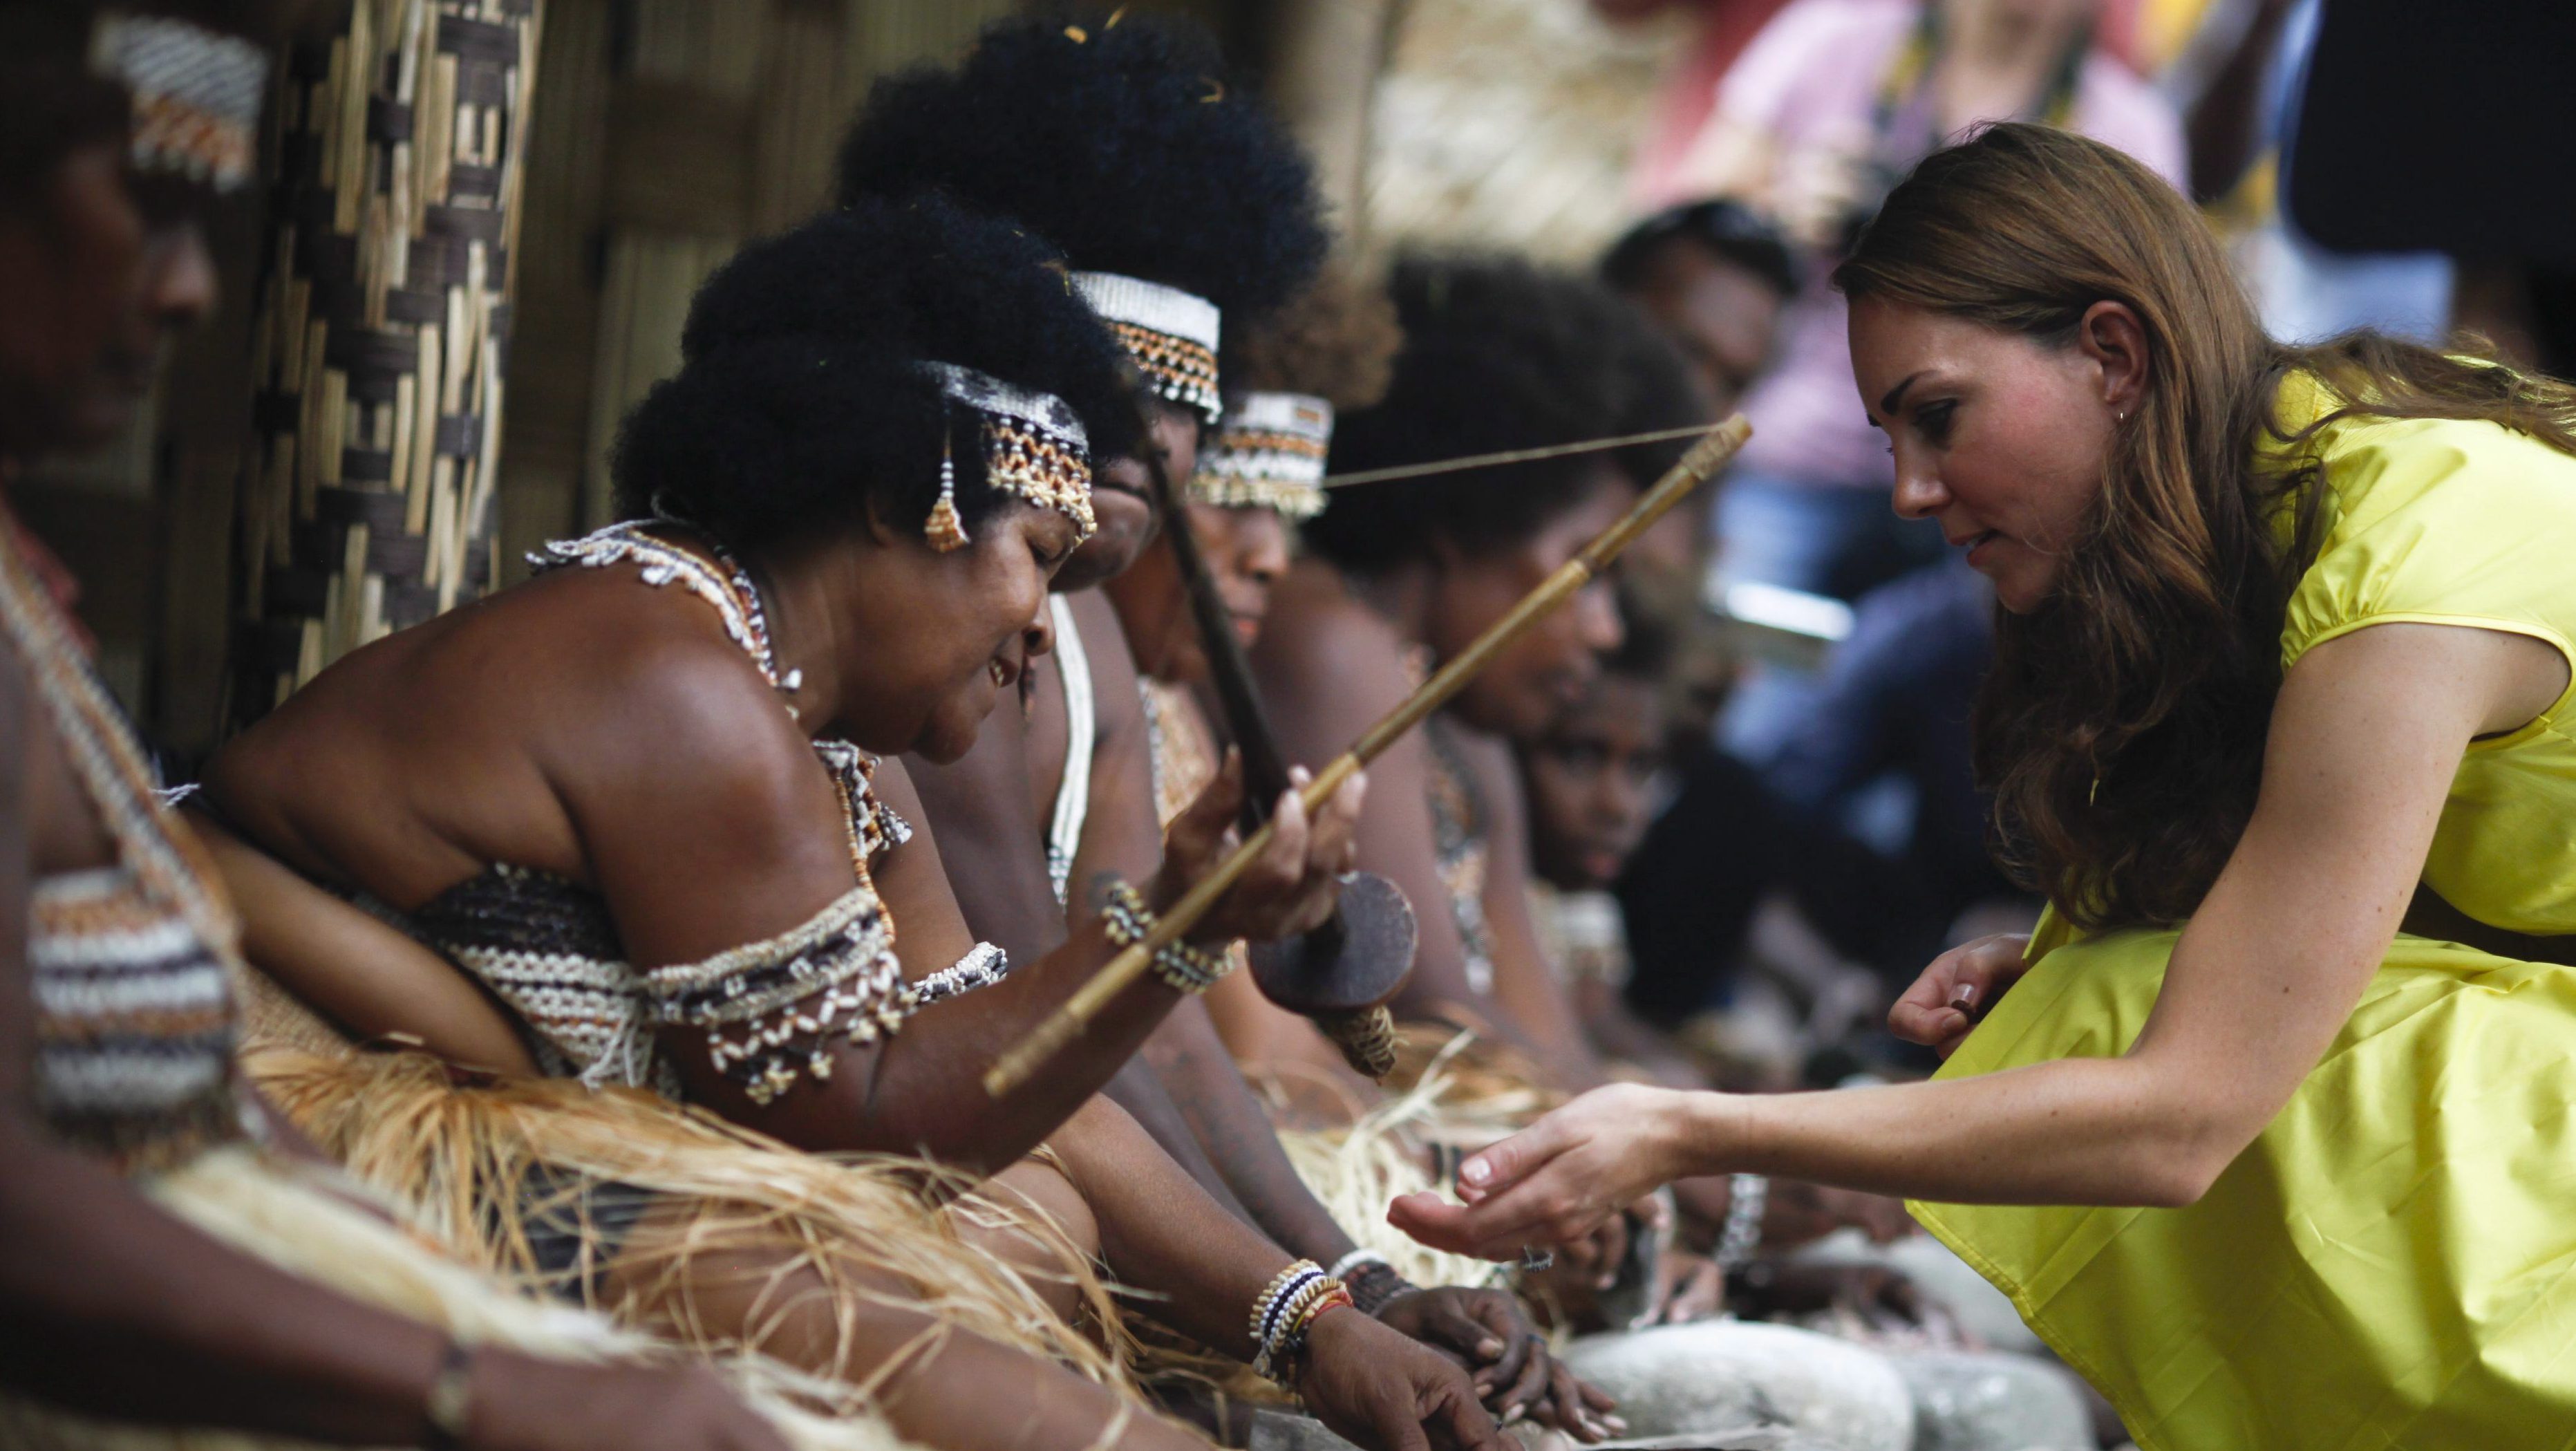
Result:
pixel 382 333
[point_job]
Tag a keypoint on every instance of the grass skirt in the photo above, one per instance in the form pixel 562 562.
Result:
pixel 288 1215
pixel 481 1161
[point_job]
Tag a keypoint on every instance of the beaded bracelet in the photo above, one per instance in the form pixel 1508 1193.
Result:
pixel 1371 1280
pixel 1372 1286
pixel 1265 1306
pixel 1279 1362
pixel 1183 968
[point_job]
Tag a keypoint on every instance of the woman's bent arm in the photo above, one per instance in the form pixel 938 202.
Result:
pixel 2366 737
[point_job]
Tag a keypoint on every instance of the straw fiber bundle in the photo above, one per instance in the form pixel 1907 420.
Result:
pixel 290 1216
pixel 381 333
pixel 1461 1094
pixel 484 1162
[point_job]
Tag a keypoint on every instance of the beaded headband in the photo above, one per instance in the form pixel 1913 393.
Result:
pixel 196 95
pixel 1170 333
pixel 1269 454
pixel 1034 447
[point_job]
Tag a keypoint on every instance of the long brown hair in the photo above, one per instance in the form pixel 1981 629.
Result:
pixel 2122 727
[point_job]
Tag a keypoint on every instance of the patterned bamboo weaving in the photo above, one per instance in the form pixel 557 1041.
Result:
pixel 382 333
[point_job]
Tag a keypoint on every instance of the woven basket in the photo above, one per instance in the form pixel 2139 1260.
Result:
pixel 382 331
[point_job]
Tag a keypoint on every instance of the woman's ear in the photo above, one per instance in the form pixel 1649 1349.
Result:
pixel 880 527
pixel 2111 335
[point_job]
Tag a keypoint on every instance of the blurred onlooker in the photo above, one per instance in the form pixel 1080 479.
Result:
pixel 1827 109
pixel 2241 82
pixel 1723 28
pixel 1591 782
pixel 1714 276
pixel 1721 31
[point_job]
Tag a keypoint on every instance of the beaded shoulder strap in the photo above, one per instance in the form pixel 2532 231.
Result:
pixel 714 576
pixel 102 750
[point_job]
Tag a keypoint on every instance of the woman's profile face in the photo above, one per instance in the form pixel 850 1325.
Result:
pixel 1549 669
pixel 956 630
pixel 1246 550
pixel 97 278
pixel 1998 438
pixel 1122 498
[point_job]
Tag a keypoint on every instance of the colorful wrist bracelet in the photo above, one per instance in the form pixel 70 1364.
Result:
pixel 1183 968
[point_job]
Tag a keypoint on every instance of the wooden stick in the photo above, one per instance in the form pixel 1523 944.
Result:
pixel 1050 1037
pixel 1366 1037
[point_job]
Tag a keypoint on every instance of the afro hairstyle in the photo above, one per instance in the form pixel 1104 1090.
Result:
pixel 1499 354
pixel 800 402
pixel 1120 140
pixel 1336 340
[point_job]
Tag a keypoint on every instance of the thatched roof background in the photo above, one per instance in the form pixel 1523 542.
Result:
pixel 1508 123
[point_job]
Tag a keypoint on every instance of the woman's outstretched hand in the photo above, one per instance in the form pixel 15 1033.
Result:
pixel 1957 990
pixel 1291 887
pixel 1553 1181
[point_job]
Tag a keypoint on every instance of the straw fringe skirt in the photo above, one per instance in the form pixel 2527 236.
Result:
pixel 488 1165
pixel 295 1217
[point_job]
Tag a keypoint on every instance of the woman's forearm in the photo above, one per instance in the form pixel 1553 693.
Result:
pixel 1160 1233
pixel 116 1308
pixel 2074 1131
pixel 922 1092
pixel 1229 1124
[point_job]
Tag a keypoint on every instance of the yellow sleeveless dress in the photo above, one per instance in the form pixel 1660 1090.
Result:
pixel 2392 1263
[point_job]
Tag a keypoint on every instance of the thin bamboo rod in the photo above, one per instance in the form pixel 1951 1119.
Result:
pixel 1507 456
pixel 1050 1037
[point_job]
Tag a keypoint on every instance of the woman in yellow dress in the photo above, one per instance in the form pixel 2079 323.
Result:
pixel 2267 1128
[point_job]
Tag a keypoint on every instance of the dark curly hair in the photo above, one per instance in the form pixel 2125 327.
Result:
pixel 1336 340
pixel 1498 354
pixel 1120 140
pixel 799 401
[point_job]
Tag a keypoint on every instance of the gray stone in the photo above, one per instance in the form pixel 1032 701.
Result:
pixel 1980 1308
pixel 1283 1431
pixel 1991 1402
pixel 1730 1376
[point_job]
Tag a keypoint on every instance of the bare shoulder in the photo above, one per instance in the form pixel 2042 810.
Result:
pixel 1327 658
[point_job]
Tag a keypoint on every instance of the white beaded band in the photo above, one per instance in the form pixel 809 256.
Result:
pixel 1035 447
pixel 195 95
pixel 1342 1267
pixel 1171 334
pixel 1269 454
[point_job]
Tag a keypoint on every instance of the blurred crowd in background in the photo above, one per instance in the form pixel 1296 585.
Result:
pixel 1794 827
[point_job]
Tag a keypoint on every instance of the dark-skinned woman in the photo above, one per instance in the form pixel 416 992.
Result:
pixel 1398 576
pixel 176 1267
pixel 663 835
pixel 1186 212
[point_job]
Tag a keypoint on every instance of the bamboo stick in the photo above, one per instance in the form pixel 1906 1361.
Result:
pixel 1050 1037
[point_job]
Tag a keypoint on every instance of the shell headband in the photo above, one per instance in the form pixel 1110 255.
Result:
pixel 1170 333
pixel 1034 447
pixel 1268 454
pixel 195 94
